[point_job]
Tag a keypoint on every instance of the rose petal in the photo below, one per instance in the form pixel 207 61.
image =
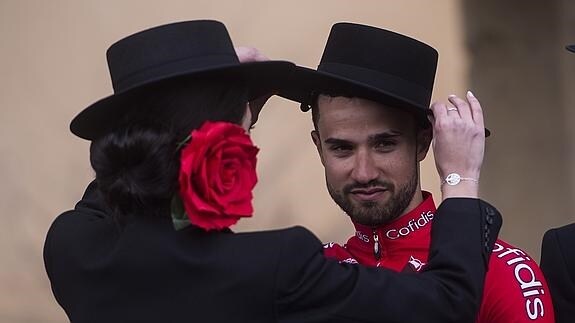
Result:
pixel 217 175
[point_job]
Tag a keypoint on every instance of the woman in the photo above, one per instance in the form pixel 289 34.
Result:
pixel 150 240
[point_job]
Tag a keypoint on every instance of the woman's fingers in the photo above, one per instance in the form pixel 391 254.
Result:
pixel 459 139
pixel 476 110
pixel 250 54
pixel 461 106
pixel 439 112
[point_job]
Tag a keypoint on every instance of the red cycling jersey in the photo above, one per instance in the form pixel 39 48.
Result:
pixel 515 289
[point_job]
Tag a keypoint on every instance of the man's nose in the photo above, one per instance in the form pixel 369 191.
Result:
pixel 364 168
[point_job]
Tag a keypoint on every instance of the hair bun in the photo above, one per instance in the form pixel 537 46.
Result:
pixel 135 168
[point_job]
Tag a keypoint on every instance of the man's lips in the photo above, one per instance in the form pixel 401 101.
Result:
pixel 367 194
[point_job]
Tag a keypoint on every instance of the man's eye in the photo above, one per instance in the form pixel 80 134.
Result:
pixel 340 148
pixel 385 145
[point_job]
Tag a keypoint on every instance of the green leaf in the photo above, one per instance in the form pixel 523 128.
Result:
pixel 180 219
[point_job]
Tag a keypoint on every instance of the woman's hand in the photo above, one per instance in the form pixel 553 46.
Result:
pixel 458 145
pixel 248 55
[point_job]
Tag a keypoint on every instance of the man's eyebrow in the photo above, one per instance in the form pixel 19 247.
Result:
pixel 372 138
pixel 336 141
pixel 384 135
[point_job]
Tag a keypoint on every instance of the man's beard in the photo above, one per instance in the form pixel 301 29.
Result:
pixel 373 213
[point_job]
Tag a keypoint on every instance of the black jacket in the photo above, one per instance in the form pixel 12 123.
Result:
pixel 145 271
pixel 558 265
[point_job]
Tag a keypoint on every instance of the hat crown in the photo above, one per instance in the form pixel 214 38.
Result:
pixel 381 59
pixel 149 54
pixel 381 50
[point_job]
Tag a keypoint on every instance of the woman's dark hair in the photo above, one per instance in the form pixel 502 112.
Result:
pixel 137 162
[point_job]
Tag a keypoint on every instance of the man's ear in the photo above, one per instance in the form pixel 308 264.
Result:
pixel 317 142
pixel 424 137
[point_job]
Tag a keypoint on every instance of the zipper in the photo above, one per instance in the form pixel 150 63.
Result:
pixel 376 245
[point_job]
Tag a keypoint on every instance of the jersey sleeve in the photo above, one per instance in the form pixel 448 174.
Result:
pixel 337 252
pixel 515 289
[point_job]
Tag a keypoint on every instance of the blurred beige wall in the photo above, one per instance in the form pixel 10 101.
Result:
pixel 524 76
pixel 53 64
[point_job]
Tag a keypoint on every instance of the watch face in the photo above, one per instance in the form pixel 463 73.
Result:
pixel 453 179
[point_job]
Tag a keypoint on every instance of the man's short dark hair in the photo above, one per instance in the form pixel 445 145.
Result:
pixel 315 106
pixel 421 124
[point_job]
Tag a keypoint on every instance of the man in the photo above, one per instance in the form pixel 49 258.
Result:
pixel 369 99
pixel 558 264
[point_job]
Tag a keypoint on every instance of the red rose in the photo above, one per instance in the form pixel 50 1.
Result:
pixel 217 175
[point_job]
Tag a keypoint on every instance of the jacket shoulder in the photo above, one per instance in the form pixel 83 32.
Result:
pixel 298 240
pixel 562 237
pixel 292 236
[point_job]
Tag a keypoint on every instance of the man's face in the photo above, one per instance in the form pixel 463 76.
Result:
pixel 370 154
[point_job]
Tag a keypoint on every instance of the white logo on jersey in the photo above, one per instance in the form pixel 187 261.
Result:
pixel 349 261
pixel 525 277
pixel 362 236
pixel 412 225
pixel 328 245
pixel 416 263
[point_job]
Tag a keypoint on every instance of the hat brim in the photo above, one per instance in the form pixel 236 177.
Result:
pixel 570 48
pixel 305 83
pixel 260 78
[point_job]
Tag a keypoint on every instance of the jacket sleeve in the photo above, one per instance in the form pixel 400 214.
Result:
pixel 311 288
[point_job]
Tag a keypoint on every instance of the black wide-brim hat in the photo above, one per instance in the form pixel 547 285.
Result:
pixel 372 63
pixel 190 49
